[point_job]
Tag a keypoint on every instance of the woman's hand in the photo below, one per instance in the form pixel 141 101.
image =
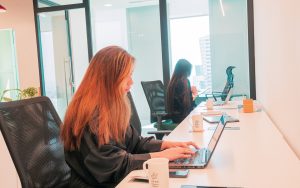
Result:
pixel 174 153
pixel 194 91
pixel 170 144
pixel 175 150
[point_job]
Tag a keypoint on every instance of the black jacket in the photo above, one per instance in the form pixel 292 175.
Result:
pixel 179 110
pixel 107 165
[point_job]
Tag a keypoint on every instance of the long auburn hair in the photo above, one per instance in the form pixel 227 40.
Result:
pixel 99 102
pixel 182 71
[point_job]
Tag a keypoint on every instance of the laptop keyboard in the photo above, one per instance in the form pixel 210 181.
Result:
pixel 197 158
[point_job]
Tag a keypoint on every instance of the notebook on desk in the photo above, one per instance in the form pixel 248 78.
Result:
pixel 203 155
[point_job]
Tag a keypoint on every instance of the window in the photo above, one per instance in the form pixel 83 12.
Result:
pixel 212 35
pixel 8 65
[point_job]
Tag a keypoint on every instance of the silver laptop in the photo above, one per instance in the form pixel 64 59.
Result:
pixel 203 155
pixel 216 118
pixel 220 103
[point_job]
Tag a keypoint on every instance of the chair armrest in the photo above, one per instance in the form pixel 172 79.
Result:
pixel 160 134
pixel 217 92
pixel 215 95
pixel 165 132
pixel 209 95
pixel 159 113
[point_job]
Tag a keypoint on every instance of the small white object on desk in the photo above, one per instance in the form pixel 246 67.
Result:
pixel 197 123
pixel 209 104
pixel 212 113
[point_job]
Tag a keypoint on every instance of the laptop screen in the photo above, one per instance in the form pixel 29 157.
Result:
pixel 215 137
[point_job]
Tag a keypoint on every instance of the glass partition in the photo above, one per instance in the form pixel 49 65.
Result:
pixel 212 35
pixel 64 54
pixel 135 26
pixel 9 81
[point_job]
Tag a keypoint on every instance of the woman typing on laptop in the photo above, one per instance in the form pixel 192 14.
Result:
pixel 101 147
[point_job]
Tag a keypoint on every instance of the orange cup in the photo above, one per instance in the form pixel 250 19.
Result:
pixel 248 105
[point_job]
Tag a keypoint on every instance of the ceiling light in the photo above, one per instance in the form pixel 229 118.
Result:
pixel 222 8
pixel 107 5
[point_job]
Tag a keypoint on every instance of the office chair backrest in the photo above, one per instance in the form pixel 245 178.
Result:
pixel 229 83
pixel 134 119
pixel 30 129
pixel 155 94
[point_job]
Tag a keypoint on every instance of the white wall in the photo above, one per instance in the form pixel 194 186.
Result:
pixel 110 28
pixel 277 45
pixel 20 18
pixel 8 173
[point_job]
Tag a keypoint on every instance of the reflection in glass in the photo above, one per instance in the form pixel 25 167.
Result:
pixel 9 80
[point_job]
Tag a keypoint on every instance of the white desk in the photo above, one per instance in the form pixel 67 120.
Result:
pixel 254 156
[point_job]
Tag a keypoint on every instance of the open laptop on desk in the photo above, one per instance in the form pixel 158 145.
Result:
pixel 216 118
pixel 220 103
pixel 203 155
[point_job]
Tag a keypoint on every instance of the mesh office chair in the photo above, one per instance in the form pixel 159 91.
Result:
pixel 136 123
pixel 229 85
pixel 134 119
pixel 30 129
pixel 155 94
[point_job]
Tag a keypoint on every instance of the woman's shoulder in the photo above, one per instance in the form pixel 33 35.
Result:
pixel 89 139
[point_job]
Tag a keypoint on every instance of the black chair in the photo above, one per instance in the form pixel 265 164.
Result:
pixel 136 123
pixel 155 95
pixel 30 129
pixel 134 119
pixel 228 86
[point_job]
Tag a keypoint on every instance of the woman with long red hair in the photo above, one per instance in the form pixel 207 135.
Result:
pixel 101 147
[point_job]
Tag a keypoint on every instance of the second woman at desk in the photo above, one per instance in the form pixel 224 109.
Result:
pixel 180 94
pixel 101 147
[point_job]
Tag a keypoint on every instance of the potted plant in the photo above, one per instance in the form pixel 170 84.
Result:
pixel 28 92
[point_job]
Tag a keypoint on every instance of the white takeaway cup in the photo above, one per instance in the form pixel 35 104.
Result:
pixel 197 120
pixel 209 104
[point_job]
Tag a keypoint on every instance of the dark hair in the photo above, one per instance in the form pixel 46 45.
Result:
pixel 182 70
